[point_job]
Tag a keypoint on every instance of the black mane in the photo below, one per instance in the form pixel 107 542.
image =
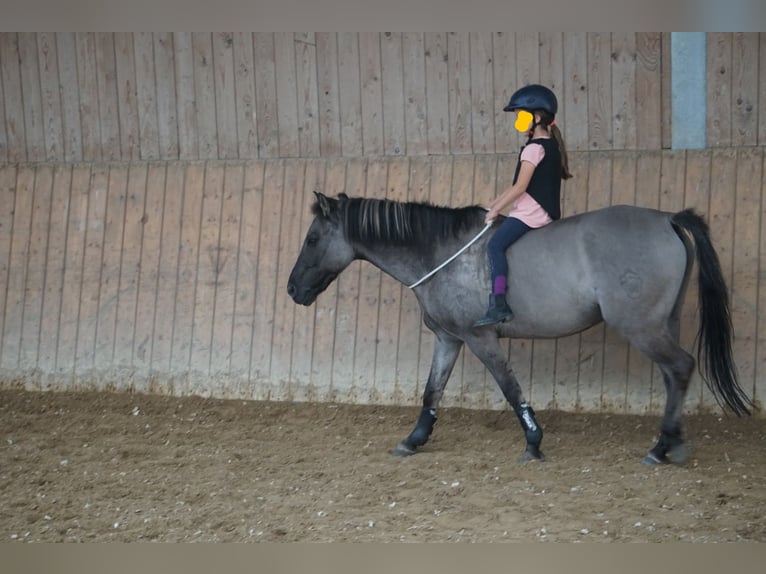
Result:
pixel 402 223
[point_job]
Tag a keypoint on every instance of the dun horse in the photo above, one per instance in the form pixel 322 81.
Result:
pixel 627 266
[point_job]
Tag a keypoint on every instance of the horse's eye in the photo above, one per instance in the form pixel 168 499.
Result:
pixel 312 240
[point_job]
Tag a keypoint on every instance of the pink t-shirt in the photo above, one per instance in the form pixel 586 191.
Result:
pixel 526 208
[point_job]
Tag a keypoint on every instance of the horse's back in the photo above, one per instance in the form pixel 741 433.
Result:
pixel 609 264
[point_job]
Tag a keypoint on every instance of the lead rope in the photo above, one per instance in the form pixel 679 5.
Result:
pixel 448 261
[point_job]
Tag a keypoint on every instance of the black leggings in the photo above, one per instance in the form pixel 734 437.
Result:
pixel 509 231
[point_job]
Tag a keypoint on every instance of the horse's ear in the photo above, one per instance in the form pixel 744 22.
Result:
pixel 323 203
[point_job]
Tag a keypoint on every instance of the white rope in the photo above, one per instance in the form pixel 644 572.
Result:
pixel 448 261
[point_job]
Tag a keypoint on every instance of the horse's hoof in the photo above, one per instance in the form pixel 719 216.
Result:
pixel 403 450
pixel 530 457
pixel 678 454
pixel 652 460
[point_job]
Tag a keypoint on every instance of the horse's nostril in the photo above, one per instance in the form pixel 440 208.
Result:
pixel 291 290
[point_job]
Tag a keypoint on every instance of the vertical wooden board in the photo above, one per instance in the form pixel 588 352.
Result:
pixel 460 126
pixel 304 387
pixel 624 104
pixel 591 369
pixel 464 377
pixel 759 392
pixel 308 99
pixel 16 190
pixel 648 112
pixel 372 97
pixel 616 349
pixel 744 89
pixel 7 197
pixel 247 275
pixel 226 273
pixel 88 316
pixel 88 100
pixel 599 91
pixel 574 97
pixel 504 80
pixel 204 95
pixel 696 196
pixel 265 295
pixel 484 191
pixel 723 184
pixel 415 102
pixel 408 384
pixel 392 87
pixel 719 97
pixel 34 288
pixel 329 94
pixel 482 92
pixel 188 255
pixel 744 285
pixel 20 256
pixel 574 200
pixel 167 275
pixel 206 281
pixel 183 57
pixel 129 272
pixel 284 307
pixel 267 110
pixel 386 358
pixel 640 368
pixel 109 120
pixel 3 134
pixel 287 94
pixel 552 68
pixel 437 93
pixel 50 90
pixel 244 85
pixel 66 49
pixel 762 88
pixel 32 96
pixel 225 95
pixel 55 256
pixel 350 95
pixel 343 381
pixel 148 274
pixel 666 88
pixel 528 58
pixel 167 107
pixel 127 98
pixel 12 97
pixel 368 315
pixel 146 96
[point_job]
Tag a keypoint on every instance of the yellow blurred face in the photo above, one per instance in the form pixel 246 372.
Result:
pixel 523 121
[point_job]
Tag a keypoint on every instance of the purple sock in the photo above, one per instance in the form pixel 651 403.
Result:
pixel 500 285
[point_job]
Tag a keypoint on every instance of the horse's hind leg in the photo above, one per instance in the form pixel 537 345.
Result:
pixel 676 366
pixel 446 351
pixel 487 348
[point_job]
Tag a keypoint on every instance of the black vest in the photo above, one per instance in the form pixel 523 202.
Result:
pixel 545 185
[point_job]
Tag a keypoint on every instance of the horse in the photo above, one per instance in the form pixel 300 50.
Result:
pixel 624 265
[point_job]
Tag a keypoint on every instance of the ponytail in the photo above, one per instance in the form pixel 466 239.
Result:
pixel 547 120
pixel 556 133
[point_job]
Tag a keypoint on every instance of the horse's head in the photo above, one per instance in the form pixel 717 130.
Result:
pixel 325 252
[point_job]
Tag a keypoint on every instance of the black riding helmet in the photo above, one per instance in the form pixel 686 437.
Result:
pixel 533 97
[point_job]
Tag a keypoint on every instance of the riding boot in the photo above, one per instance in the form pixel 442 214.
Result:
pixel 498 311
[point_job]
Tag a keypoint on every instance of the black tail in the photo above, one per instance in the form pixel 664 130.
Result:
pixel 714 337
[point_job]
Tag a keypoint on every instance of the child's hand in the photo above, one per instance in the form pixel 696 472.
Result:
pixel 491 215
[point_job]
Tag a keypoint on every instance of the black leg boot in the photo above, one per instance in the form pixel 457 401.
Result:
pixel 498 311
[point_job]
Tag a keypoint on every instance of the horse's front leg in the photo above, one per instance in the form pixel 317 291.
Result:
pixel 487 348
pixel 446 351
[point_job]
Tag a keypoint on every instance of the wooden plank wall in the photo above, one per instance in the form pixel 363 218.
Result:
pixel 200 96
pixel 170 277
